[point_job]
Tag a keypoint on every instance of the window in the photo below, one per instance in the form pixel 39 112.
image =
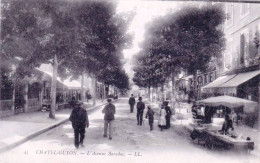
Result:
pixel 229 14
pixel 229 52
pixel 244 10
pixel 244 48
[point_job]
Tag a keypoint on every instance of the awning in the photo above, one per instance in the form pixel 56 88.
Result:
pixel 230 81
pixel 220 80
pixel 72 84
pixel 240 79
pixel 229 101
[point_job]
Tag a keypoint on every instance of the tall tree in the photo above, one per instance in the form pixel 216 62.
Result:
pixel 199 38
pixel 100 43
pixel 187 39
pixel 41 32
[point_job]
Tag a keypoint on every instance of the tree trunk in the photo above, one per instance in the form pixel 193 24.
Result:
pixel 107 91
pixel 152 94
pixel 26 97
pixel 162 93
pixel 82 89
pixel 149 93
pixel 259 100
pixel 94 82
pixel 13 98
pixel 156 93
pixel 53 88
pixel 195 82
pixel 104 92
pixel 173 94
pixel 41 97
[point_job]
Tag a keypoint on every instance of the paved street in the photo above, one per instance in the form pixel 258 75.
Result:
pixel 130 143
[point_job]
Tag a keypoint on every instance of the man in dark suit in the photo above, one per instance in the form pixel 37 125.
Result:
pixel 109 111
pixel 79 119
pixel 131 103
pixel 140 111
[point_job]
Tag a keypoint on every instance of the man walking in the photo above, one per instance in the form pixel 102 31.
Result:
pixel 149 115
pixel 109 111
pixel 140 110
pixel 79 119
pixel 131 103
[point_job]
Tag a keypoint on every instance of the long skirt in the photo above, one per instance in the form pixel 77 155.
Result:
pixel 162 122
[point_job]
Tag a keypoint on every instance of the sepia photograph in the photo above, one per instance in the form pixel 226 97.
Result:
pixel 134 81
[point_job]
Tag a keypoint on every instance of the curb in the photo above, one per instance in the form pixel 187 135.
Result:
pixel 36 133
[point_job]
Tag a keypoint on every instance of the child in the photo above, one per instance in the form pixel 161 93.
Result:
pixel 149 115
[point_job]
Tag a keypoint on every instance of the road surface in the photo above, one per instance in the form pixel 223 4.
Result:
pixel 130 143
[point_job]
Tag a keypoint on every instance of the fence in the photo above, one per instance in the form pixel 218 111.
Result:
pixel 33 104
pixel 6 108
pixel 6 105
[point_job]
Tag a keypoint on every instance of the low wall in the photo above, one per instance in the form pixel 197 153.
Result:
pixel 6 113
pixel 6 108
pixel 6 105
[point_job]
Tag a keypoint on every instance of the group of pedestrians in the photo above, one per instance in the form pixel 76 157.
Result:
pixel 80 121
pixel 165 113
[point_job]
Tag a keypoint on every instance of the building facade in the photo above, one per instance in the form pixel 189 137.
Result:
pixel 240 73
pixel 242 28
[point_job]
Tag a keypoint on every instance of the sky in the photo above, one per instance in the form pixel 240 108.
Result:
pixel 145 12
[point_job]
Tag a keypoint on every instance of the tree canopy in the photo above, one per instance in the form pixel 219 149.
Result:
pixel 187 39
pixel 76 37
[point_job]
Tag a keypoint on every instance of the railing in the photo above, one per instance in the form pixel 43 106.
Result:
pixel 33 104
pixel 6 105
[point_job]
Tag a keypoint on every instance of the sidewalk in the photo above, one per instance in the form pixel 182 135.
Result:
pixel 19 128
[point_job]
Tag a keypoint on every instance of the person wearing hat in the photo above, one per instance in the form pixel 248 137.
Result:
pixel 140 110
pixel 109 111
pixel 131 103
pixel 79 119
pixel 149 115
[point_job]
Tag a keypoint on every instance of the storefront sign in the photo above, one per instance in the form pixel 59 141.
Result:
pixel 203 79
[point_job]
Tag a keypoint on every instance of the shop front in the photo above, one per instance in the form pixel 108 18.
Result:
pixel 242 85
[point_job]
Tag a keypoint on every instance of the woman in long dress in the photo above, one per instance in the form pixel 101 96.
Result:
pixel 162 119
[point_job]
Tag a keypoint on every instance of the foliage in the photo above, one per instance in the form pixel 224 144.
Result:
pixel 6 83
pixel 84 36
pixel 199 37
pixel 187 39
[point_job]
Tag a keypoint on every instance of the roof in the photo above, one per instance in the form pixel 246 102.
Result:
pixel 228 101
pixel 71 84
